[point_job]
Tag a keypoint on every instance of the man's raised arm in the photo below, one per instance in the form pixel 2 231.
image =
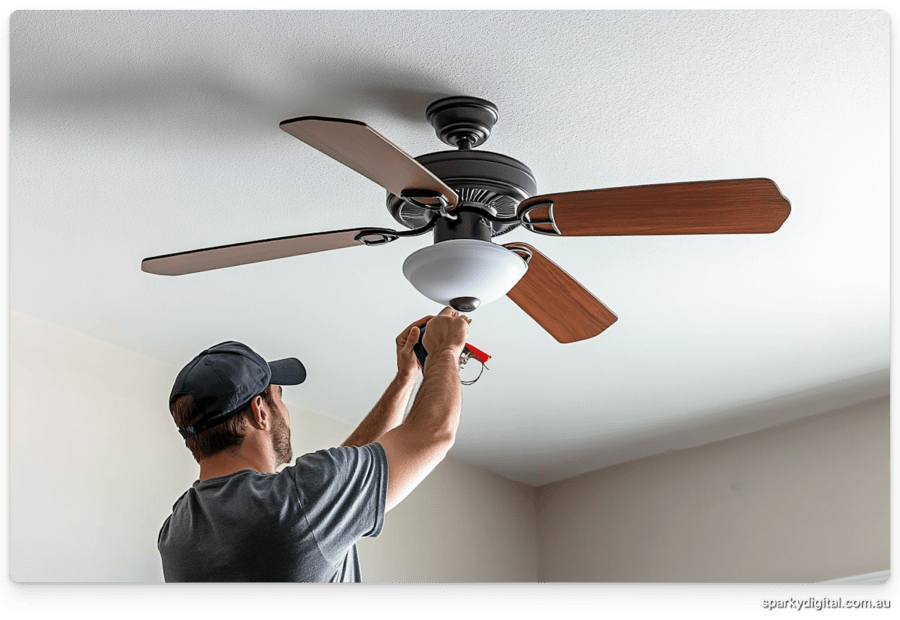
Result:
pixel 388 411
pixel 417 445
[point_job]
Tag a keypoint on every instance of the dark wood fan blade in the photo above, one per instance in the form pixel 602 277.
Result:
pixel 363 149
pixel 251 252
pixel 702 207
pixel 553 298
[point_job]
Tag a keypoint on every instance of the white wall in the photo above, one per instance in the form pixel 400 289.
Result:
pixel 806 501
pixel 96 464
pixel 95 461
pixel 462 524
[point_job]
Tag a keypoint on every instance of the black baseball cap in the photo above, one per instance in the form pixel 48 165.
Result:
pixel 224 379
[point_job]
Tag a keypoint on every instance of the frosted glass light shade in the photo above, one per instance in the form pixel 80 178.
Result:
pixel 464 268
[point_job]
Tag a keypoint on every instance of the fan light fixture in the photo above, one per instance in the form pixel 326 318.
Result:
pixel 464 273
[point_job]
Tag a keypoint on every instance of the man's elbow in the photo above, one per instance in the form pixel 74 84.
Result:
pixel 434 446
pixel 443 441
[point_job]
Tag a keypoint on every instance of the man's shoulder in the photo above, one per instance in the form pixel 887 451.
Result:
pixel 341 456
pixel 322 467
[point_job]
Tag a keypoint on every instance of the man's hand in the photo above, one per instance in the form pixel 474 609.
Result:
pixel 447 331
pixel 407 364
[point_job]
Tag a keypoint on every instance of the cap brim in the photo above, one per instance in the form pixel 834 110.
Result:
pixel 289 371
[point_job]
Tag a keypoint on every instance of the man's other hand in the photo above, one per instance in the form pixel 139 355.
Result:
pixel 407 364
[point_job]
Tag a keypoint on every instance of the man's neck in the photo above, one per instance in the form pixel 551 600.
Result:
pixel 229 462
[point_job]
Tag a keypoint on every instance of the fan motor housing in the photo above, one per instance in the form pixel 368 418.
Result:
pixel 492 181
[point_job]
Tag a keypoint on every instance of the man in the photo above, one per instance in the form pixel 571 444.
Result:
pixel 242 521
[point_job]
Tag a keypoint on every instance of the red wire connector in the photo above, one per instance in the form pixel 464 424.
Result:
pixel 478 354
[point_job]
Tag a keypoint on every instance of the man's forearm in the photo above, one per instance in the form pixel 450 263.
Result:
pixel 387 413
pixel 439 401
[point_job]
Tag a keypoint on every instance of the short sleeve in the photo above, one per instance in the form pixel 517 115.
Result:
pixel 342 492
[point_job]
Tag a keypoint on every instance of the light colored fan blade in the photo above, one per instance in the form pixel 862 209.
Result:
pixel 250 252
pixel 553 298
pixel 702 207
pixel 363 149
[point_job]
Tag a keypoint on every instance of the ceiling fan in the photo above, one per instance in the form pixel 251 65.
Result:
pixel 467 197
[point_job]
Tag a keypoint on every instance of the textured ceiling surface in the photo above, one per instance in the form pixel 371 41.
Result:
pixel 139 134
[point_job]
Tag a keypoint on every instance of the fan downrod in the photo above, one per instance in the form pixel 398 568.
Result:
pixel 463 122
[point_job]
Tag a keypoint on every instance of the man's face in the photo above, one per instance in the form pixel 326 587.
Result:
pixel 281 429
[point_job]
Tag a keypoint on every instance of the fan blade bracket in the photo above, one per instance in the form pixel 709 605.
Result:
pixel 429 200
pixel 376 237
pixel 545 225
pixel 382 236
pixel 425 198
pixel 524 251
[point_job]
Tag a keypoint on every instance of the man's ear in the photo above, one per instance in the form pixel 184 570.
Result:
pixel 260 414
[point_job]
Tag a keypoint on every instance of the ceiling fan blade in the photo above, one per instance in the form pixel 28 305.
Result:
pixel 702 207
pixel 553 298
pixel 363 149
pixel 257 251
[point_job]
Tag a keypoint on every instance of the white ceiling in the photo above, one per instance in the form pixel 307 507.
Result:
pixel 139 134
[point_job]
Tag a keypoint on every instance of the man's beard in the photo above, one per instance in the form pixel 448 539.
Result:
pixel 281 440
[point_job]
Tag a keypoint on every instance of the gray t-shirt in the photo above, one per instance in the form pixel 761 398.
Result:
pixel 300 524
